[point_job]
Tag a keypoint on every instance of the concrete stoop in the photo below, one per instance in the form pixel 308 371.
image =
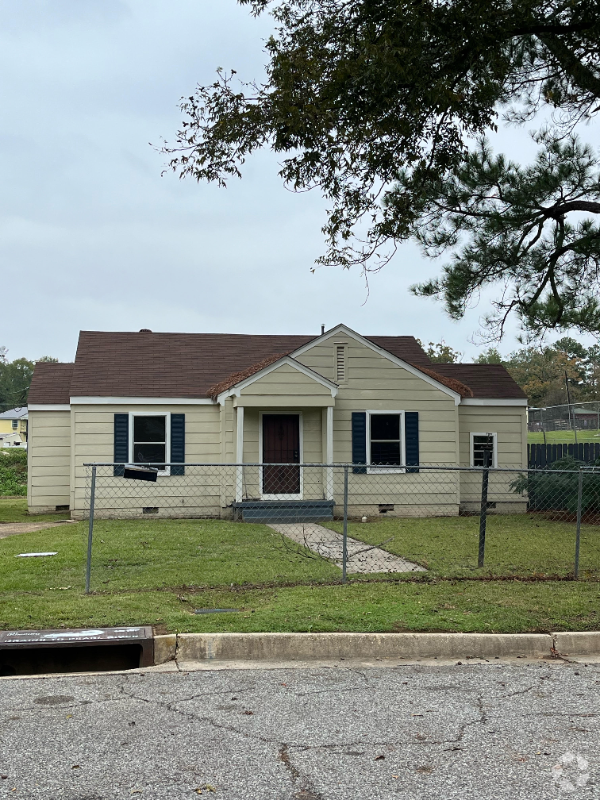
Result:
pixel 306 647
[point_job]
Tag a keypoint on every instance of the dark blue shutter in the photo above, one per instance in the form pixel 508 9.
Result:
pixel 411 431
pixel 359 441
pixel 121 452
pixel 177 444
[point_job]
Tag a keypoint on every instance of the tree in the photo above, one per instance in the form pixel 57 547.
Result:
pixel 377 102
pixel 441 353
pixel 490 356
pixel 15 380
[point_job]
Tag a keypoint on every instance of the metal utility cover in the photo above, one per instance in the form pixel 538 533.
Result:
pixel 91 637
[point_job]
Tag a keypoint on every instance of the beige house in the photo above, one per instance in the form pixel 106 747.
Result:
pixel 170 399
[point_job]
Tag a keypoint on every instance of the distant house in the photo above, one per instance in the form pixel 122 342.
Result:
pixel 13 428
pixel 341 397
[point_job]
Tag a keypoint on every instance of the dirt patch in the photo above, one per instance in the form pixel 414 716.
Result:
pixel 13 528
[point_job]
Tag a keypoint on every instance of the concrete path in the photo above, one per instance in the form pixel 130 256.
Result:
pixel 13 528
pixel 526 731
pixel 328 544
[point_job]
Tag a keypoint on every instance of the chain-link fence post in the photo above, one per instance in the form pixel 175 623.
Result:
pixel 88 567
pixel 345 537
pixel 485 477
pixel 578 533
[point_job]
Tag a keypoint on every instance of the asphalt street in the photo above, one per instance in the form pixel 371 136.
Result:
pixel 523 730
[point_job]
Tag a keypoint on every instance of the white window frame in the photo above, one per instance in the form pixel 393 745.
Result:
pixel 269 413
pixel 375 470
pixel 167 416
pixel 494 436
pixel 15 424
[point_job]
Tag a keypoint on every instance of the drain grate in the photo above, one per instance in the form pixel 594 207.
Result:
pixel 75 650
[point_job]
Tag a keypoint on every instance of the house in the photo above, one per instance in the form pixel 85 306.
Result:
pixel 225 399
pixel 13 427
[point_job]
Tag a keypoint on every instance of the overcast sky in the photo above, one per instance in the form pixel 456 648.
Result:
pixel 92 237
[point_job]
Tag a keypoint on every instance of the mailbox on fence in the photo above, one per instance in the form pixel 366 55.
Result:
pixel 140 473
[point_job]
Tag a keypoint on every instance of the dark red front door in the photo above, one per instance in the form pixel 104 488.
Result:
pixel 281 447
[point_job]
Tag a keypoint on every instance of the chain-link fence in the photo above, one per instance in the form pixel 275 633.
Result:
pixel 372 519
pixel 582 416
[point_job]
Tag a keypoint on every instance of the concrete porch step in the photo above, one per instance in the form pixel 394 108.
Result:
pixel 284 511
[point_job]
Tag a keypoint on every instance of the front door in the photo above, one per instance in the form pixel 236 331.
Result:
pixel 281 448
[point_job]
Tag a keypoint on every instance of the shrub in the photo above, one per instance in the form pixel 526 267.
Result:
pixel 13 471
pixel 557 488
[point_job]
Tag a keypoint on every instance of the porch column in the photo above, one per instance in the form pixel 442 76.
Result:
pixel 329 453
pixel 239 453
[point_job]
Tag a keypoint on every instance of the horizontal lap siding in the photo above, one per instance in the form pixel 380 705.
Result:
pixel 373 383
pixel 508 422
pixel 49 459
pixel 93 438
pixel 286 380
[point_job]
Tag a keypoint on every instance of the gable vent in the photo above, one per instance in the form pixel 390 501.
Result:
pixel 340 363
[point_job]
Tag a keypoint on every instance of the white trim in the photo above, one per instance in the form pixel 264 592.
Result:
pixel 130 442
pixel 142 401
pixel 239 453
pixel 235 390
pixel 329 453
pixel 484 401
pixel 374 469
pixel 299 496
pixel 494 463
pixel 49 407
pixel 394 359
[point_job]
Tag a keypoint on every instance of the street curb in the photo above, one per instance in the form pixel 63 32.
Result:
pixel 334 646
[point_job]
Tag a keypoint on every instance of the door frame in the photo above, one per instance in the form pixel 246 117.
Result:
pixel 269 413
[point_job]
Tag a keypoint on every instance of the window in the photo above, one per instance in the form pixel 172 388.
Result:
pixel 385 439
pixel 480 443
pixel 150 440
pixel 15 424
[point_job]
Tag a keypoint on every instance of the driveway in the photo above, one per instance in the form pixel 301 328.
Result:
pixel 526 729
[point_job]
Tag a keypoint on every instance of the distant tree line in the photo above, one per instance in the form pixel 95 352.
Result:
pixel 15 379
pixel 540 369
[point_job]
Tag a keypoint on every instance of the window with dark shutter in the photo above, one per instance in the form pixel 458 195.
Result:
pixel 359 441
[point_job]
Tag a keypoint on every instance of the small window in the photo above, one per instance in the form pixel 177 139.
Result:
pixel 385 440
pixel 149 440
pixel 15 424
pixel 480 443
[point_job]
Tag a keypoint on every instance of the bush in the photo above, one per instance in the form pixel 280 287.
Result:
pixel 557 488
pixel 13 471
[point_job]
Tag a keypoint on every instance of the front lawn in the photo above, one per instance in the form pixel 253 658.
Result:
pixel 158 572
pixel 516 544
pixel 562 437
pixel 14 509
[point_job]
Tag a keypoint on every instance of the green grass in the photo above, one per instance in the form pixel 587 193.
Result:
pixel 563 437
pixel 516 545
pixel 157 572
pixel 14 509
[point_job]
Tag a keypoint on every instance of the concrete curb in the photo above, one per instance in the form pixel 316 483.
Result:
pixel 275 647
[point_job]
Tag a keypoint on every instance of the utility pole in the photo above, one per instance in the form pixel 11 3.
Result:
pixel 571 411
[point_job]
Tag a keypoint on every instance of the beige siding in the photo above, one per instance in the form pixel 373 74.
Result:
pixel 508 422
pixel 93 441
pixel 374 383
pixel 49 460
pixel 510 425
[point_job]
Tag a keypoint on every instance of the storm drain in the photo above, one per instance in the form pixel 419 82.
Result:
pixel 76 650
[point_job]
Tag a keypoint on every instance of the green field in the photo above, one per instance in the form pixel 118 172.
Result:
pixel 158 572
pixel 563 437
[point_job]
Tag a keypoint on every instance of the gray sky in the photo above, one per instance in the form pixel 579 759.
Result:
pixel 92 237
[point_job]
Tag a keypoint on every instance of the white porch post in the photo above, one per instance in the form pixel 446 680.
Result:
pixel 239 453
pixel 329 452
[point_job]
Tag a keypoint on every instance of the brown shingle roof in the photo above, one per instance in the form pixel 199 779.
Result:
pixel 186 364
pixel 485 380
pixel 51 383
pixel 194 365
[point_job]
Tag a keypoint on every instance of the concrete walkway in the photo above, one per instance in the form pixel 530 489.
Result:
pixel 329 544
